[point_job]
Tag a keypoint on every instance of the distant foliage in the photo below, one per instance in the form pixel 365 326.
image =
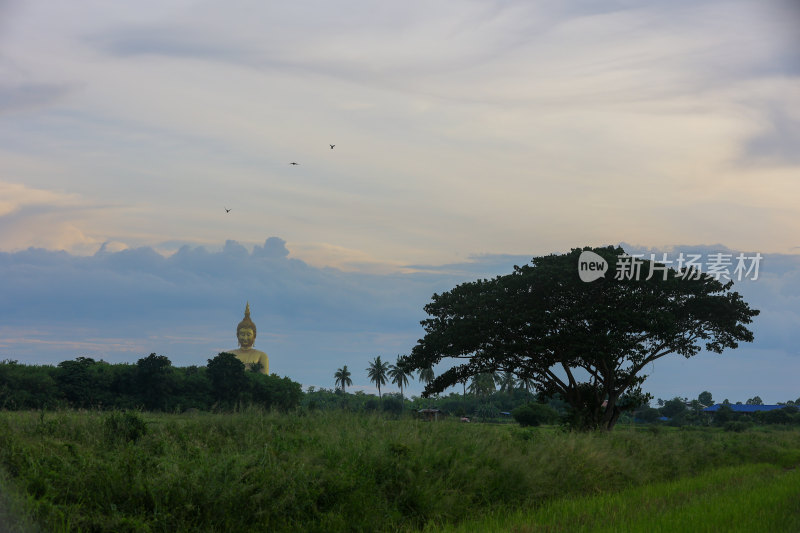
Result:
pixel 674 408
pixel 705 398
pixel 27 387
pixel 152 384
pixel 154 380
pixel 534 414
pixel 392 404
pixel 272 391
pixel 730 420
pixel 228 379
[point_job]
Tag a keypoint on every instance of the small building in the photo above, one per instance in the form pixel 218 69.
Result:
pixel 430 414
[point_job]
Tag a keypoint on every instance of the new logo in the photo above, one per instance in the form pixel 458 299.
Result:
pixel 591 266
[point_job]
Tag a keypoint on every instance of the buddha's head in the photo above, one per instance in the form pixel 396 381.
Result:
pixel 246 330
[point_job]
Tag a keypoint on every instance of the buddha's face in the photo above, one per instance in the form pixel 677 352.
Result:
pixel 246 337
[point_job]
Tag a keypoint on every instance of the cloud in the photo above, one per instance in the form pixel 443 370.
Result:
pixel 47 218
pixel 777 143
pixel 459 127
pixel 166 42
pixel 476 265
pixel 120 304
pixel 775 292
pixel 16 196
pixel 274 248
pixel 416 47
pixel 29 96
pixel 141 284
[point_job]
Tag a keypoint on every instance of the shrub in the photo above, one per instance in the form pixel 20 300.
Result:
pixel 534 414
pixel 723 415
pixel 125 427
pixel 487 411
pixel 392 405
pixel 648 414
pixel 735 426
pixel 371 404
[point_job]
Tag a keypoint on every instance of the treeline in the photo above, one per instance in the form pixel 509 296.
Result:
pixel 499 405
pixel 684 412
pixel 152 384
pixel 734 421
pixel 519 405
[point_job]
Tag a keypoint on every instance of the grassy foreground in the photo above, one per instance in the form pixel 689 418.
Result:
pixel 732 499
pixel 330 471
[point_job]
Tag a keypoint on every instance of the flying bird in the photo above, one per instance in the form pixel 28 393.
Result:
pixel 332 146
pixel 227 210
pixel 293 163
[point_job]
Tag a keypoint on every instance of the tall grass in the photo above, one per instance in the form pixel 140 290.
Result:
pixel 735 499
pixel 330 471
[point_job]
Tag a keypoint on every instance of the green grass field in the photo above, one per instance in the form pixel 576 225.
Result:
pixel 746 499
pixel 336 471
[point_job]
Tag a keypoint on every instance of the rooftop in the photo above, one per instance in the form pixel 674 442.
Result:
pixel 743 408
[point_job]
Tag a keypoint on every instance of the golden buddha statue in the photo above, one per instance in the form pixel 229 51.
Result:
pixel 246 334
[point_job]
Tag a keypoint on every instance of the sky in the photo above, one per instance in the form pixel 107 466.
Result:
pixel 469 137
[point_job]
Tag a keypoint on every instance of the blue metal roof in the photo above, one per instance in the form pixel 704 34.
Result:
pixel 743 408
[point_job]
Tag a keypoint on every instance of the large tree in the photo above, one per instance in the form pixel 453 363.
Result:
pixel 705 398
pixel 228 379
pixel 154 380
pixel 588 342
pixel 74 379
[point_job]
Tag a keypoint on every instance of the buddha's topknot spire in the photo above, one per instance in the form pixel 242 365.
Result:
pixel 246 322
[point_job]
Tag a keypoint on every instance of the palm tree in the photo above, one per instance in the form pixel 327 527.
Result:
pixel 399 377
pixel 483 384
pixel 377 373
pixel 343 378
pixel 507 382
pixel 426 375
pixel 463 382
pixel 526 383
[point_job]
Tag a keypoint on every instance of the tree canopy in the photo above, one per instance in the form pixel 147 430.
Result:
pixel 705 398
pixel 586 341
pixel 152 384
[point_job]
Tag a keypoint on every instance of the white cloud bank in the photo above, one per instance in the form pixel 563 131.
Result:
pixel 501 127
